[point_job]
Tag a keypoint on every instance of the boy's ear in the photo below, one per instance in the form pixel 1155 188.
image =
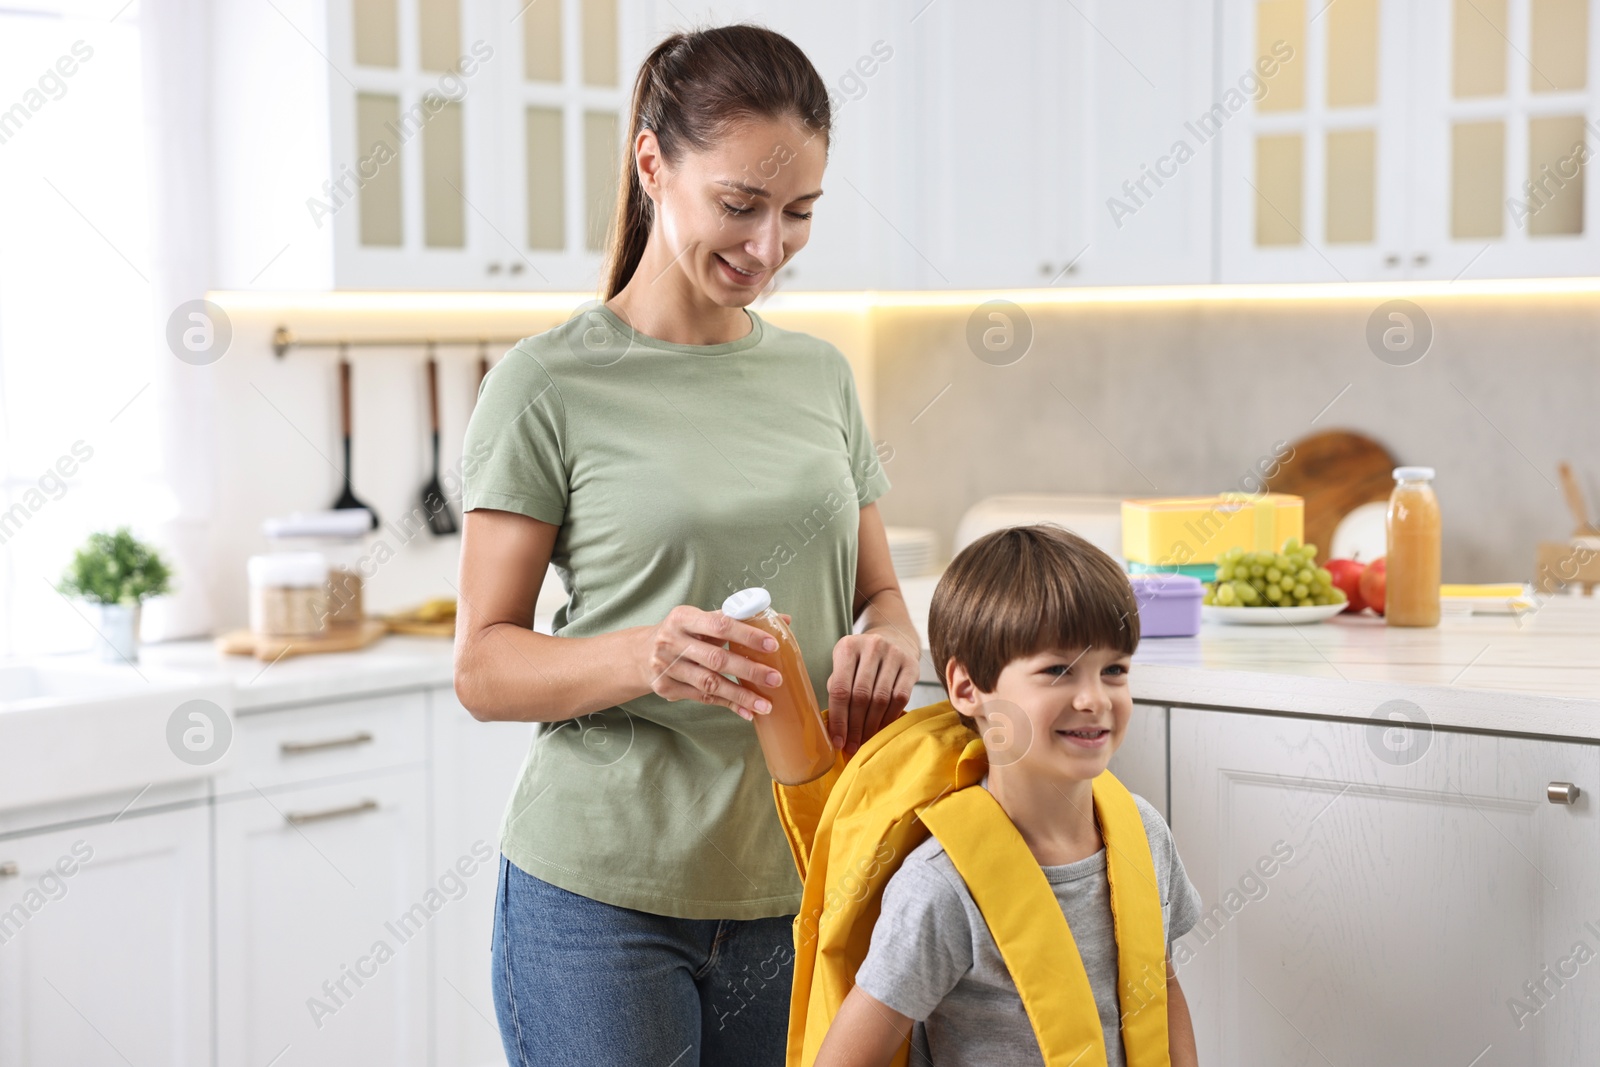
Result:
pixel 963 693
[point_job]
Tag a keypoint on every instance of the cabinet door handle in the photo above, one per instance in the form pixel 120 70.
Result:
pixel 9 869
pixel 299 748
pixel 1562 793
pixel 1420 259
pixel 494 268
pixel 1391 260
pixel 300 818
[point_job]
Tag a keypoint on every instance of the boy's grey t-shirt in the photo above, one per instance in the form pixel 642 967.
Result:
pixel 932 958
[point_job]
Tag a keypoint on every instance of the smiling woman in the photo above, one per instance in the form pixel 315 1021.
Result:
pixel 650 448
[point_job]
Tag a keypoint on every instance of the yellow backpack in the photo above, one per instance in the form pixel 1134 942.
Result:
pixel 849 830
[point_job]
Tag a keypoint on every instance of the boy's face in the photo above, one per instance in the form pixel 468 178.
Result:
pixel 1059 714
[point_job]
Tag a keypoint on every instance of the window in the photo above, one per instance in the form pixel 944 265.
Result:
pixel 79 336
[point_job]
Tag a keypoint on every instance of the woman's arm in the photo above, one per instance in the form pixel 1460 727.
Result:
pixel 505 671
pixel 865 1033
pixel 873 671
pixel 1180 1028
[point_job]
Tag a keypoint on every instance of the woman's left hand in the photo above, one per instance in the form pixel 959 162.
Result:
pixel 873 673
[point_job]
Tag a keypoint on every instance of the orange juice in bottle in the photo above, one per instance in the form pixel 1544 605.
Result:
pixel 1411 593
pixel 794 739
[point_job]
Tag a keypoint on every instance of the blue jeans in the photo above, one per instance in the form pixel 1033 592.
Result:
pixel 593 985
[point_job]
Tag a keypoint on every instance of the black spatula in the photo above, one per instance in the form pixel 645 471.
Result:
pixel 347 499
pixel 434 502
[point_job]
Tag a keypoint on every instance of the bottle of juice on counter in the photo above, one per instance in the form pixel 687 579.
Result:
pixel 1411 594
pixel 794 738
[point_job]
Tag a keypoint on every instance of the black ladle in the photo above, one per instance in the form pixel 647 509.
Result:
pixel 347 499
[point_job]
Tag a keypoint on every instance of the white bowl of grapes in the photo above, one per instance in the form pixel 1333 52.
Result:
pixel 1283 588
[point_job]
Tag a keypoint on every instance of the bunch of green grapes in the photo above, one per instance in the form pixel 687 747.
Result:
pixel 1286 579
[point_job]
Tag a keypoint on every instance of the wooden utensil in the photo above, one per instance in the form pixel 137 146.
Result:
pixel 1335 471
pixel 434 503
pixel 347 499
pixel 1580 513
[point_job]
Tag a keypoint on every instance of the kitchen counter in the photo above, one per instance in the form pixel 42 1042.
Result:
pixel 390 663
pixel 1538 675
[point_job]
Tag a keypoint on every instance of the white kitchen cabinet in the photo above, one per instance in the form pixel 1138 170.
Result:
pixel 104 943
pixel 1504 98
pixel 476 766
pixel 1398 140
pixel 419 144
pixel 1141 762
pixel 1146 80
pixel 1375 894
pixel 326 915
pixel 999 193
pixel 1317 174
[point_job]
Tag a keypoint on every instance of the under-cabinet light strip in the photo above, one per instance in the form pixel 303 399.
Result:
pixel 866 300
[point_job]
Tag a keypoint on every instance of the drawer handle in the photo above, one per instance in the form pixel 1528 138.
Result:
pixel 300 748
pixel 1562 793
pixel 9 869
pixel 300 818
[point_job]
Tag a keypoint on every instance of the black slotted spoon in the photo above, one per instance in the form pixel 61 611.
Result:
pixel 347 499
pixel 434 503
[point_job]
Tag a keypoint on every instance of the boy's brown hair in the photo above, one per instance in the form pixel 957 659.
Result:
pixel 1018 591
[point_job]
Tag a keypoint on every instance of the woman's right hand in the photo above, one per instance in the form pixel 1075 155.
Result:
pixel 685 660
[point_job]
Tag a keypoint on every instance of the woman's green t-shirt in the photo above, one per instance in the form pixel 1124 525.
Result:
pixel 678 474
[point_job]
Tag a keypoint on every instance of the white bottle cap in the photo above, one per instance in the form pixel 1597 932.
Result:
pixel 343 522
pixel 1413 474
pixel 747 602
pixel 296 570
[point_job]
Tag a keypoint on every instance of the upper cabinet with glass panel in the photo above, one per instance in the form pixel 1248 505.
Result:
pixel 475 143
pixel 1314 165
pixel 1509 101
pixel 1409 138
pixel 560 157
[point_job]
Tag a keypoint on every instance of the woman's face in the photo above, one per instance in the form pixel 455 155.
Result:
pixel 732 216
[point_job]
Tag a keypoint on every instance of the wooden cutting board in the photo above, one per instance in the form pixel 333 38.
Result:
pixel 343 639
pixel 1335 471
pixel 443 628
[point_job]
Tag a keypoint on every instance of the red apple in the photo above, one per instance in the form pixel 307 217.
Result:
pixel 1347 578
pixel 1373 582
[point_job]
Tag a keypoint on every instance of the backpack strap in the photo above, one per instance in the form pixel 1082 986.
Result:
pixel 1032 934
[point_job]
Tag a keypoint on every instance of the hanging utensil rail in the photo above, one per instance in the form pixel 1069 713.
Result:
pixel 284 339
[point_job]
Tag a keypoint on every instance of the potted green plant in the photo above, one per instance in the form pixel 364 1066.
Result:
pixel 117 571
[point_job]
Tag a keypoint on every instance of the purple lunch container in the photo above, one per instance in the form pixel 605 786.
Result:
pixel 1169 604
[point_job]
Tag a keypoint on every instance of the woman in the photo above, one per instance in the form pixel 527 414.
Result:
pixel 665 449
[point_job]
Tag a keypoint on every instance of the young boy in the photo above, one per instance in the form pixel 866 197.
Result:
pixel 1035 630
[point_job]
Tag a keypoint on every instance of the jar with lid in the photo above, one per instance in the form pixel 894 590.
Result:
pixel 1411 581
pixel 793 736
pixel 288 594
pixel 339 535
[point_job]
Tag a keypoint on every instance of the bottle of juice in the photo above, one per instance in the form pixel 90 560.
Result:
pixel 1411 593
pixel 794 738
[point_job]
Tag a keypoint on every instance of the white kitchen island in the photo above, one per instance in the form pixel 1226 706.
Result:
pixel 1366 812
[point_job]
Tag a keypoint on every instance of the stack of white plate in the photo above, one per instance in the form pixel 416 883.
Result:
pixel 913 550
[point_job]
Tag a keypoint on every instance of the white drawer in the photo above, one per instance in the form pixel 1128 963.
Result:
pixel 326 741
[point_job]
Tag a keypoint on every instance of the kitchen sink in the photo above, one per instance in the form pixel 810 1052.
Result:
pixel 72 727
pixel 30 683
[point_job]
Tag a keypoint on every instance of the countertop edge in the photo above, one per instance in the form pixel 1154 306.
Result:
pixel 1445 707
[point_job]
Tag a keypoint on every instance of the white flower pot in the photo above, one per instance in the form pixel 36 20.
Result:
pixel 119 633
